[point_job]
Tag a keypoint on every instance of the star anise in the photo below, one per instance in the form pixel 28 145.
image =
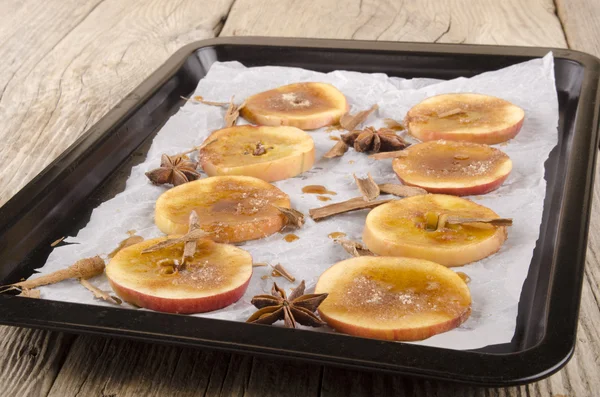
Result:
pixel 175 170
pixel 297 308
pixel 372 140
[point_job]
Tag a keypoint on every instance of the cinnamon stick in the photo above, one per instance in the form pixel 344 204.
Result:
pixel 367 186
pixel 354 204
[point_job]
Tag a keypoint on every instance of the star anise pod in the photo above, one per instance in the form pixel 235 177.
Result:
pixel 175 170
pixel 372 140
pixel 297 308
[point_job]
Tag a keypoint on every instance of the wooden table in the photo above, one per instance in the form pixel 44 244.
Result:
pixel 65 63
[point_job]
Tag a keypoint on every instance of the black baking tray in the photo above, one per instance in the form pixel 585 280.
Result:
pixel 60 199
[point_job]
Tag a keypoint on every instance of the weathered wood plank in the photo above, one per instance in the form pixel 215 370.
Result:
pixel 102 366
pixel 30 360
pixel 581 23
pixel 62 66
pixel 65 67
pixel 125 368
pixel 274 378
pixel 511 22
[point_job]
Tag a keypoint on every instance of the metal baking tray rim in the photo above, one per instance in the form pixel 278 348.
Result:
pixel 11 211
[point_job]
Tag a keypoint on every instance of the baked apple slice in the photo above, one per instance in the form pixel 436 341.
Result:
pixel 307 106
pixel 401 299
pixel 404 228
pixel 459 168
pixel 465 117
pixel 230 208
pixel 269 153
pixel 215 277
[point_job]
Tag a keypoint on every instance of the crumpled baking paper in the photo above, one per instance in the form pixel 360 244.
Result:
pixel 496 281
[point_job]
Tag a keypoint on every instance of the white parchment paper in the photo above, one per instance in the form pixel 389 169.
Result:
pixel 496 281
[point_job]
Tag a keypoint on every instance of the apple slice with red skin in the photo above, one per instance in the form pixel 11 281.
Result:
pixel 230 209
pixel 465 117
pixel 307 106
pixel 458 168
pixel 398 299
pixel 399 228
pixel 215 277
pixel 269 153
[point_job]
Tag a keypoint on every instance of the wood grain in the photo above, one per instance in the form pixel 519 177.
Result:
pixel 105 367
pixel 65 67
pixel 512 22
pixel 63 64
pixel 113 367
pixel 30 360
pixel 580 20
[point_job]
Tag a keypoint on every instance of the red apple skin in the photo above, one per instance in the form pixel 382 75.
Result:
pixel 410 334
pixel 181 306
pixel 317 115
pixel 350 310
pixel 216 150
pixel 463 191
pixel 386 242
pixel 460 179
pixel 446 257
pixel 490 138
